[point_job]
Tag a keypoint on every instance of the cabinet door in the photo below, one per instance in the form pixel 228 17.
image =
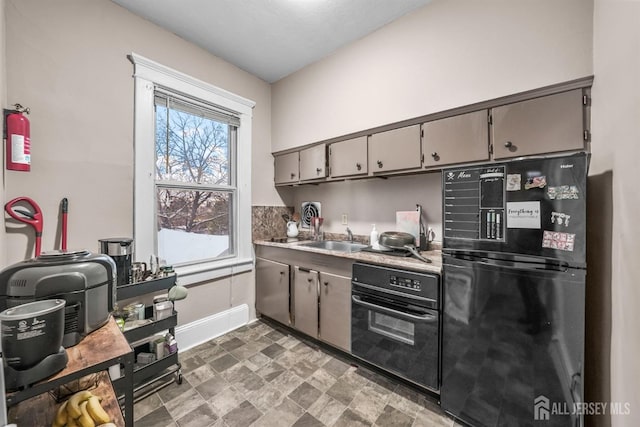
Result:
pixel 313 163
pixel 394 150
pixel 272 290
pixel 305 301
pixel 458 139
pixel 347 158
pixel 335 310
pixel 542 125
pixel 286 168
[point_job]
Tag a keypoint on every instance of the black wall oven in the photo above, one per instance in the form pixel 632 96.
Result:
pixel 395 322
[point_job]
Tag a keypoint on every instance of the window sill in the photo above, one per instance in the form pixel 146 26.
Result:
pixel 206 272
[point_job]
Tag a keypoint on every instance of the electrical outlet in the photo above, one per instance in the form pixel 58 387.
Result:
pixel 345 219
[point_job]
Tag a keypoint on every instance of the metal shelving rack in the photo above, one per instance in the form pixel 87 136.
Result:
pixel 146 379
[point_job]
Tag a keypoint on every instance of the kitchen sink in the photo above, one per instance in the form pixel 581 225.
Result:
pixel 336 245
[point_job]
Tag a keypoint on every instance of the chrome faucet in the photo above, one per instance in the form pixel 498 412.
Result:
pixel 349 235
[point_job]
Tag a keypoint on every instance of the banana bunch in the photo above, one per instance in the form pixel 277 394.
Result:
pixel 82 409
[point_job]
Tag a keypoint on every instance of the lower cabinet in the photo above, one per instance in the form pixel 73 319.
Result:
pixel 322 306
pixel 272 289
pixel 309 292
pixel 335 310
pixel 305 301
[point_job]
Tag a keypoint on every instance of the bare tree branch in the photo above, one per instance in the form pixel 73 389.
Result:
pixel 192 149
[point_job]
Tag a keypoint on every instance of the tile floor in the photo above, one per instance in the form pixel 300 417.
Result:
pixel 261 376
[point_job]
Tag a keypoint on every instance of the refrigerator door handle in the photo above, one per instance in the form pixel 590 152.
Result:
pixel 493 263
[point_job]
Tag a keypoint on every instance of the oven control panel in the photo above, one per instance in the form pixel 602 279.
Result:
pixel 405 282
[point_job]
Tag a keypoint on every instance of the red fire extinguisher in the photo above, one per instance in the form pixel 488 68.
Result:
pixel 18 139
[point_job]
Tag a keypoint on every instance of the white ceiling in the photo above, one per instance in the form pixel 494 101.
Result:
pixel 271 38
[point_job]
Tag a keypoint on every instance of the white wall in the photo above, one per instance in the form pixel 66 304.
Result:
pixel 66 60
pixel 448 54
pixel 375 201
pixel 615 113
pixel 3 102
pixel 445 55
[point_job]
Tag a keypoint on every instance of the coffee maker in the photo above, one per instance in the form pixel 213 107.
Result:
pixel 120 249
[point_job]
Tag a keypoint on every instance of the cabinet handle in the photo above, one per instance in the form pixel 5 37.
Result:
pixel 293 175
pixel 309 280
pixel 379 164
pixel 282 273
pixel 434 154
pixel 358 166
pixel 508 144
pixel 318 170
pixel 326 284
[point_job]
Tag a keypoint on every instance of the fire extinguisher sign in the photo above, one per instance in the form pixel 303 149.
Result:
pixel 20 150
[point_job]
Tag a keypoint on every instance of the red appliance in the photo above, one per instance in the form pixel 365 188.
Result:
pixel 32 217
pixel 18 139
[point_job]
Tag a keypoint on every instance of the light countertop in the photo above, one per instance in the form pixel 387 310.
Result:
pixel 409 263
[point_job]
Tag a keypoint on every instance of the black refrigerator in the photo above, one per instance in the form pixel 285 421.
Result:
pixel 514 267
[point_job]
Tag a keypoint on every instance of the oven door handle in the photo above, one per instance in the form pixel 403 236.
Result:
pixel 424 318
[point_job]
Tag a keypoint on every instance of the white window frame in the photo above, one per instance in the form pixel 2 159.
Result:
pixel 147 75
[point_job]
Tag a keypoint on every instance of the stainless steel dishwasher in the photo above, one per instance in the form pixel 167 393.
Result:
pixel 395 322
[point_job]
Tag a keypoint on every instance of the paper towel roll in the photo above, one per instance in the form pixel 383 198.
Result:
pixel 409 222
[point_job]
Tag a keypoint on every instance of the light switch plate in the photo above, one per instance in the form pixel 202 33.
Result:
pixel 345 219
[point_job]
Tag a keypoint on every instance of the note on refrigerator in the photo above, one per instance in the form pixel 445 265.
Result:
pixel 523 214
pixel 409 222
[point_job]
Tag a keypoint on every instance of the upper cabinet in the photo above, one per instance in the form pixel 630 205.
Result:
pixel 542 125
pixel 348 158
pixel 458 139
pixel 313 163
pixel 395 150
pixel 286 168
pixel 546 120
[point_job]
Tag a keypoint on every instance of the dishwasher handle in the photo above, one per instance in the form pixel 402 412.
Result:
pixel 426 318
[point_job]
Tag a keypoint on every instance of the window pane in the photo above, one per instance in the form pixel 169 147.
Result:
pixel 194 225
pixel 191 148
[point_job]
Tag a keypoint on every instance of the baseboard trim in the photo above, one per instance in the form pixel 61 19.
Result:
pixel 207 328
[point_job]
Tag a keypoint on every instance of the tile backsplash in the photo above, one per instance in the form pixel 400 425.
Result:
pixel 267 221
